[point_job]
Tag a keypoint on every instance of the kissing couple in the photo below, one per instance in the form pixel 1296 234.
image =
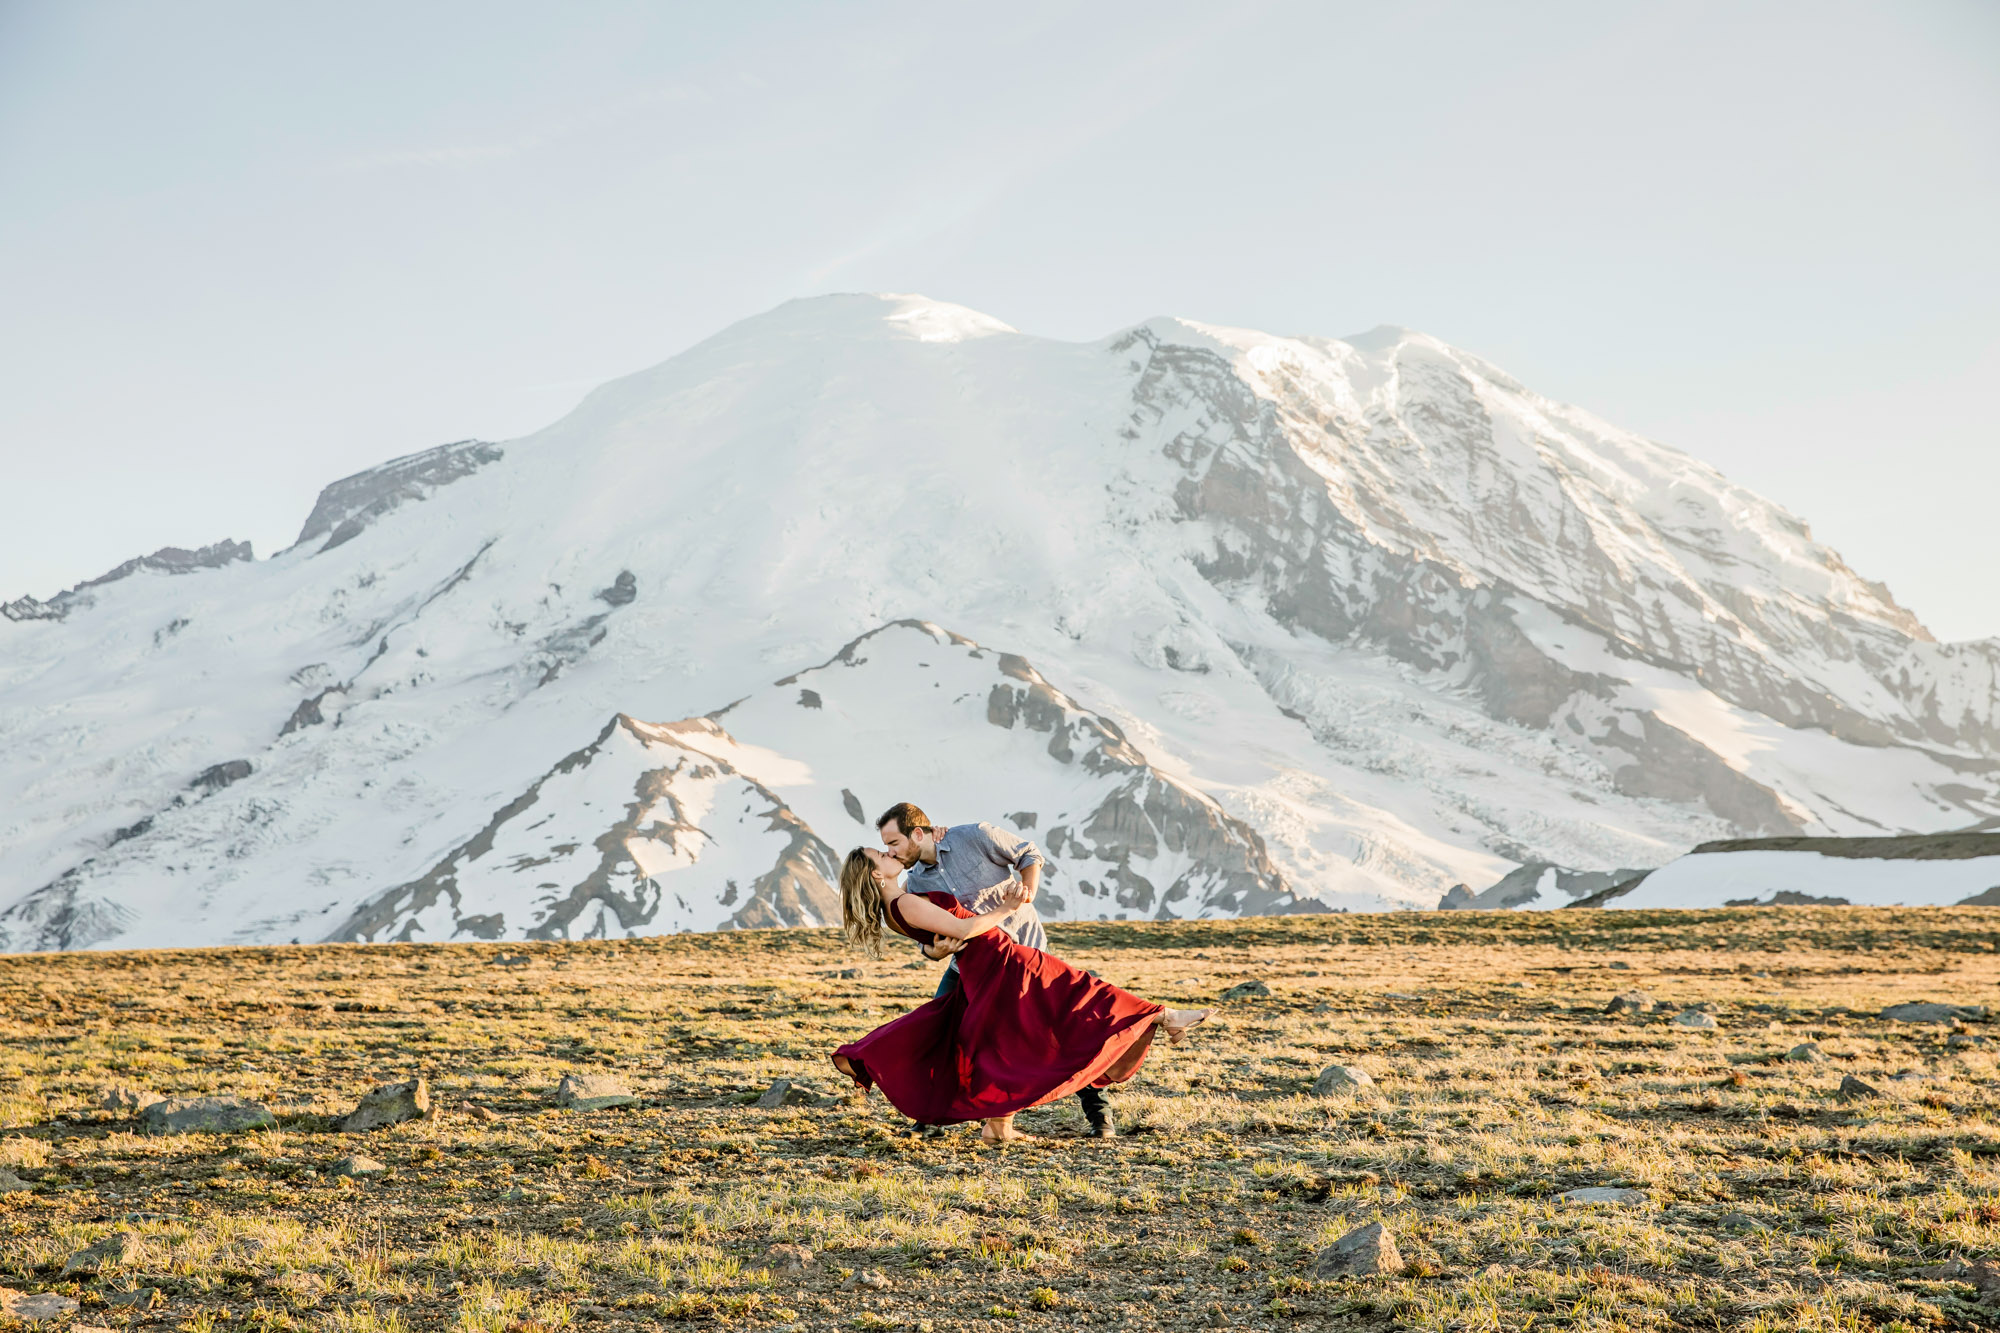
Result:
pixel 1012 1026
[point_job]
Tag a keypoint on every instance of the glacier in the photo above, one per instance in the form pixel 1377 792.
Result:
pixel 1230 622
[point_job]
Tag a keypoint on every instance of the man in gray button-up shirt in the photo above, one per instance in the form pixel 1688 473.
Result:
pixel 975 863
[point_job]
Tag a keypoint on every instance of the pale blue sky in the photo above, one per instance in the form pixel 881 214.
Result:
pixel 248 248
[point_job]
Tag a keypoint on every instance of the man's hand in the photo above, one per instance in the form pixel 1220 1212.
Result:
pixel 1019 894
pixel 940 949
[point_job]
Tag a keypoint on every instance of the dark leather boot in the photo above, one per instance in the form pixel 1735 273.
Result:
pixel 1097 1113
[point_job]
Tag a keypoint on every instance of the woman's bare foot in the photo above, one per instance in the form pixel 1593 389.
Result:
pixel 844 1065
pixel 1001 1130
pixel 1177 1022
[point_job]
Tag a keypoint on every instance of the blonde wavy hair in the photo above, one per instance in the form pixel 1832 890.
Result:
pixel 861 904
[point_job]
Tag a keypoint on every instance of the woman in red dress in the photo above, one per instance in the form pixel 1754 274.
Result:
pixel 1023 1029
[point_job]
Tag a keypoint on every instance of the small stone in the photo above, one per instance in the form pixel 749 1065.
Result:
pixel 1924 1011
pixel 872 1278
pixel 1807 1053
pixel 789 1258
pixel 784 1092
pixel 1852 1088
pixel 11 1183
pixel 1336 1079
pixel 1619 966
pixel 36 1307
pixel 1739 1222
pixel 129 1101
pixel 1694 1018
pixel 206 1115
pixel 117 1248
pixel 357 1165
pixel 844 974
pixel 1362 1252
pixel 593 1092
pixel 1246 990
pixel 144 1298
pixel 1605 1194
pixel 509 960
pixel 1629 1002
pixel 1959 1041
pixel 388 1104
pixel 482 1115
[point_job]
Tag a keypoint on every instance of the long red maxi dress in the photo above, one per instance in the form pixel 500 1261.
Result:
pixel 1022 1029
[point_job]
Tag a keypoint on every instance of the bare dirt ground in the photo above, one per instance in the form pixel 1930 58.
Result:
pixel 1769 1202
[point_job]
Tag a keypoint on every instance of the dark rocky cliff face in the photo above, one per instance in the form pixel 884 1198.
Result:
pixel 1329 521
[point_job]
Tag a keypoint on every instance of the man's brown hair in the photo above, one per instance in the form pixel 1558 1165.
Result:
pixel 908 818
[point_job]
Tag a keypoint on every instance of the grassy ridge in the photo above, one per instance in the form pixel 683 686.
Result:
pixel 1772 1205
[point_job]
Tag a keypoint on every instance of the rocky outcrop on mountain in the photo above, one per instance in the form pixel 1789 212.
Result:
pixel 166 560
pixel 346 507
pixel 1540 885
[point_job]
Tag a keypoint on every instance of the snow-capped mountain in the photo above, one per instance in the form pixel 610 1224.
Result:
pixel 1229 622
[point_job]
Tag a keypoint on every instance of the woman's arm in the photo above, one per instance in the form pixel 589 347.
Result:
pixel 924 915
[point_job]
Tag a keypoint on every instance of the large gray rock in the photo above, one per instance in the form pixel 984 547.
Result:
pixel 1853 1089
pixel 1604 1194
pixel 1924 1011
pixel 593 1092
pixel 206 1115
pixel 784 1092
pixel 128 1100
pixel 1362 1252
pixel 388 1104
pixel 1807 1053
pixel 1629 1002
pixel 11 1183
pixel 1246 990
pixel 36 1307
pixel 1334 1080
pixel 119 1248
pixel 1694 1018
pixel 357 1165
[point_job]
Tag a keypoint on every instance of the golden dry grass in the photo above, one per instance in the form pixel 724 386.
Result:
pixel 1502 1083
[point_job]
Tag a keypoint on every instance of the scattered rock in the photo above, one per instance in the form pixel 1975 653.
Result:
pixel 1605 1194
pixel 1852 1088
pixel 1740 1222
pixel 1629 1002
pixel 388 1104
pixel 357 1165
pixel 1399 995
pixel 482 1115
pixel 34 1308
pixel 1362 1252
pixel 1246 990
pixel 789 1258
pixel 1619 966
pixel 145 1298
pixel 873 1278
pixel 1694 1018
pixel 1959 1041
pixel 11 1183
pixel 593 1092
pixel 206 1115
pixel 508 960
pixel 1336 1079
pixel 1923 1011
pixel 131 1101
pixel 784 1092
pixel 117 1248
pixel 1807 1053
